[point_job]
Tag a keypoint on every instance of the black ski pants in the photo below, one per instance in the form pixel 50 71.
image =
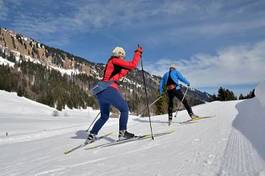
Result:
pixel 177 93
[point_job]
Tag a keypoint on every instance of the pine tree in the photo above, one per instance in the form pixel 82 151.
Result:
pixel 225 94
pixel 221 94
pixel 214 97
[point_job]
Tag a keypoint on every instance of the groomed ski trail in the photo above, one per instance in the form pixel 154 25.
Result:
pixel 191 150
pixel 226 145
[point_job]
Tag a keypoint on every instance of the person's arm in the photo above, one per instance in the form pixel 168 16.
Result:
pixel 129 64
pixel 162 83
pixel 182 78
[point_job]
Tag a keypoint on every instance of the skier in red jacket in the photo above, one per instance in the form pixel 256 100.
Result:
pixel 116 68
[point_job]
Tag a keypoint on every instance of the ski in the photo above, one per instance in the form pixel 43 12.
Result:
pixel 142 137
pixel 202 117
pixel 195 119
pixel 83 145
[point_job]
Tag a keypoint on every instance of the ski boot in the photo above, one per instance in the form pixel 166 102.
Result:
pixel 124 134
pixel 91 138
pixel 194 117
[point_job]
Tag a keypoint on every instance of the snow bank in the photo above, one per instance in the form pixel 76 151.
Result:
pixel 260 93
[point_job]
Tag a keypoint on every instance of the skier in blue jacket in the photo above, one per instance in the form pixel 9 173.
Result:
pixel 171 81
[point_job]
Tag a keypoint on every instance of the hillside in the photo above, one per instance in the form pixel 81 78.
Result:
pixel 229 144
pixel 60 79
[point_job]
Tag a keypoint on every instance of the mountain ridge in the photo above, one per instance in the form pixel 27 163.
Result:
pixel 19 49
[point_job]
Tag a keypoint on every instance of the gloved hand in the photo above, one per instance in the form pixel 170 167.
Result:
pixel 139 49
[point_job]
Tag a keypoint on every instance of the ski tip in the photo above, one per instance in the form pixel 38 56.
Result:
pixel 67 152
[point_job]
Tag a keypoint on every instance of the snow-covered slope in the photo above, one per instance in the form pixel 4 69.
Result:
pixel 260 93
pixel 12 104
pixel 230 143
pixel 22 119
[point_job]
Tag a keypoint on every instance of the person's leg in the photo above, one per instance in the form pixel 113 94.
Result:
pixel 170 95
pixel 180 95
pixel 104 110
pixel 119 103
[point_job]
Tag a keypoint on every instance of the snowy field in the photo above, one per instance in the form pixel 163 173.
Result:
pixel 232 143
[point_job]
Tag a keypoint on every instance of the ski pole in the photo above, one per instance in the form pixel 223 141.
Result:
pixel 146 98
pixel 143 110
pixel 181 101
pixel 92 122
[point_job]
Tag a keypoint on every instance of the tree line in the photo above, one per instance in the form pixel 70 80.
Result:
pixel 226 95
pixel 45 86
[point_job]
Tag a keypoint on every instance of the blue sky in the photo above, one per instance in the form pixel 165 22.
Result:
pixel 214 43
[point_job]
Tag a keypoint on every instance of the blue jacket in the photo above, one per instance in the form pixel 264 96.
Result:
pixel 176 76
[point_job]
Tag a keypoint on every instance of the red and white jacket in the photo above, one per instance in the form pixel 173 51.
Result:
pixel 117 68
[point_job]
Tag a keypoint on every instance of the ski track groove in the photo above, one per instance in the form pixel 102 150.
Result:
pixel 239 158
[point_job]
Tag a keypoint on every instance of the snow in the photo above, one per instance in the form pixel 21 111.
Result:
pixel 30 59
pixel 260 93
pixel 6 62
pixel 16 54
pixel 229 144
pixel 61 70
pixel 95 74
pixel 66 71
pixel 25 38
pixel 132 82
